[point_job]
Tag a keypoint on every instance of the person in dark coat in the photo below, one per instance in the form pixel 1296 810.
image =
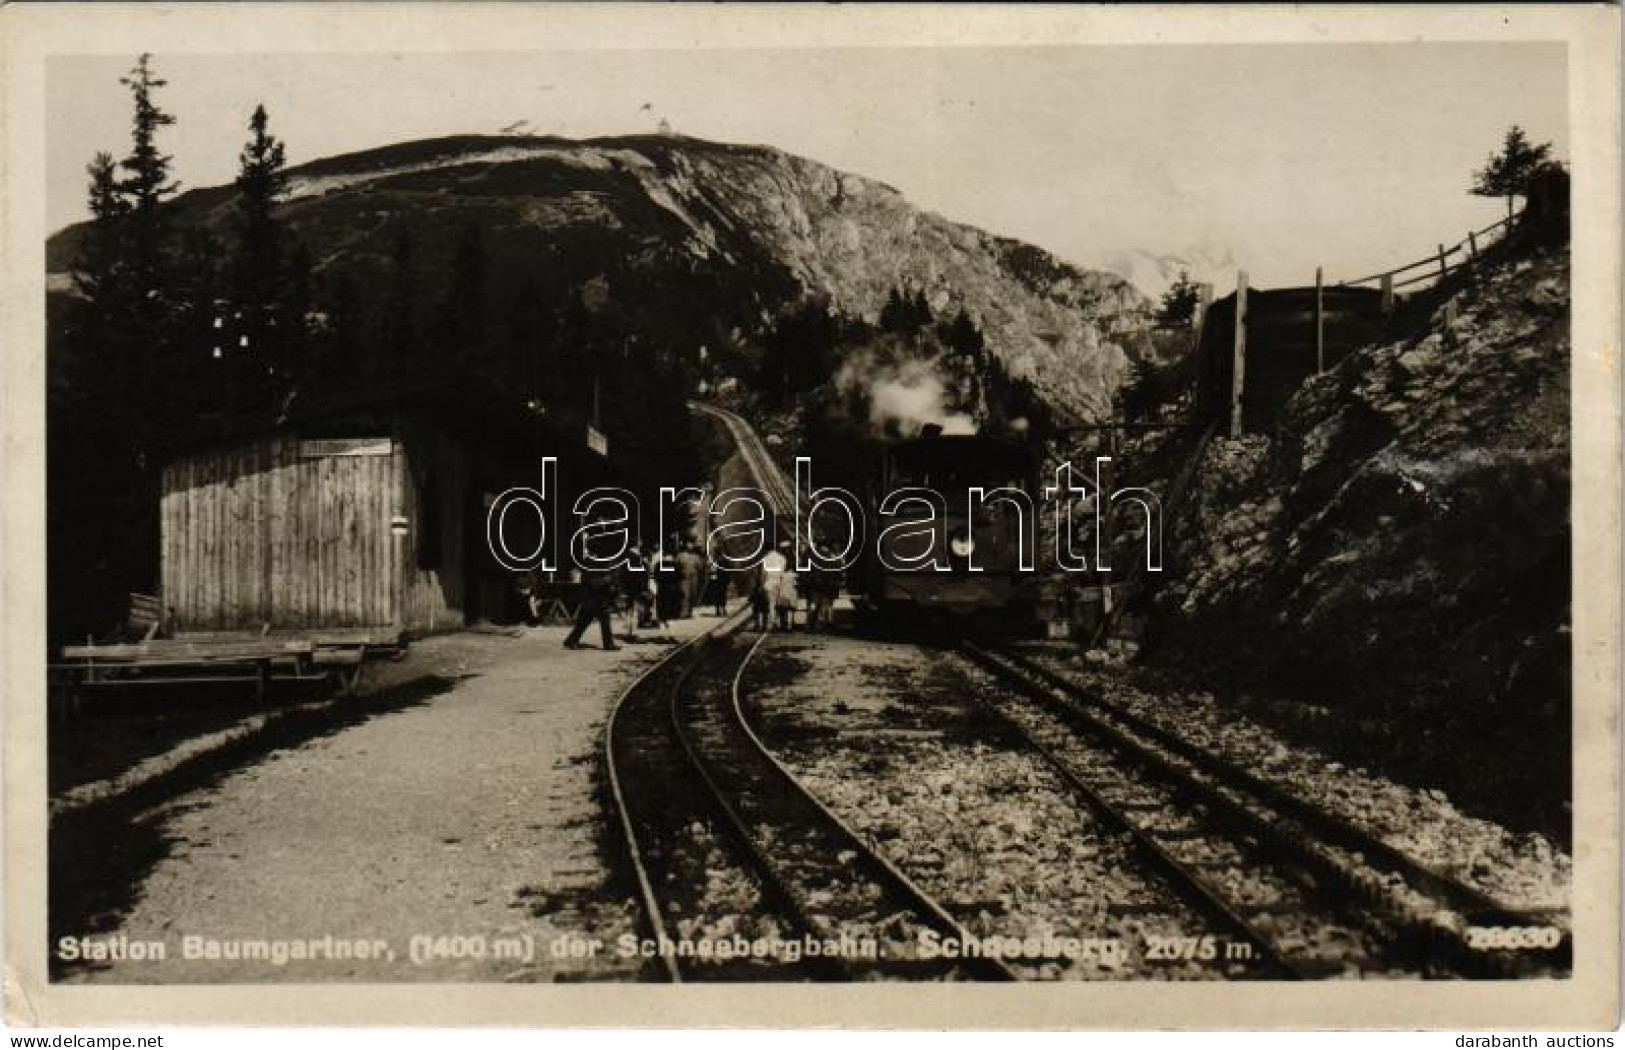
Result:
pixel 716 590
pixel 639 589
pixel 820 587
pixel 597 601
pixel 760 603
pixel 691 568
pixel 668 586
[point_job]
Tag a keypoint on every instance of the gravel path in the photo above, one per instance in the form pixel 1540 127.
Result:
pixel 472 817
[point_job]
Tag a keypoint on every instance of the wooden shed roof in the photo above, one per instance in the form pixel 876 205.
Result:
pixel 463 398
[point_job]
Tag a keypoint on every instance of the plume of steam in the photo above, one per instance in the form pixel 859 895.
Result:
pixel 902 395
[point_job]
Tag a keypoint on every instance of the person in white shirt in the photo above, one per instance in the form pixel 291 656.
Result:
pixel 779 580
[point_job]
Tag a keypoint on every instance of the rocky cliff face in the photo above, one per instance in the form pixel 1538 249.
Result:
pixel 688 240
pixel 1399 551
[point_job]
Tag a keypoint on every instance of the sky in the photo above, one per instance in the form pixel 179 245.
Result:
pixel 1277 158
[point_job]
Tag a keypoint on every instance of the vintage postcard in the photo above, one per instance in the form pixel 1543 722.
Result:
pixel 969 516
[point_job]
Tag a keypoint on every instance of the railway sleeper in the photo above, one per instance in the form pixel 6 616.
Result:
pixel 1422 934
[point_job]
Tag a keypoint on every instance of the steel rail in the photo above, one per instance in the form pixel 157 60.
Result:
pixel 918 897
pixel 1299 828
pixel 761 465
pixel 745 439
pixel 944 920
pixel 1337 829
pixel 1182 878
pixel 651 905
pixel 772 879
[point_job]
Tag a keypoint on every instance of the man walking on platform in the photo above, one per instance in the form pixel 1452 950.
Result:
pixel 597 600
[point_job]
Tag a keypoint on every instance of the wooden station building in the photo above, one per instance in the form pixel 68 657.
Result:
pixel 365 510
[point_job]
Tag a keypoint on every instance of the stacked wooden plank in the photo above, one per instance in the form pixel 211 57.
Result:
pixel 146 616
pixel 227 657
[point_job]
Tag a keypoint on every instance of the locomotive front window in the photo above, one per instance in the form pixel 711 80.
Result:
pixel 958 470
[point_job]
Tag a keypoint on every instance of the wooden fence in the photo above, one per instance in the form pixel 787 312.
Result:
pixel 1274 338
pixel 1435 267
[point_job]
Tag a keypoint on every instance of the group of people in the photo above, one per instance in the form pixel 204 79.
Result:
pixel 778 588
pixel 654 588
pixel 661 587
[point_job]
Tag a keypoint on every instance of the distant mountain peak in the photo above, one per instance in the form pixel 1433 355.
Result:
pixel 728 233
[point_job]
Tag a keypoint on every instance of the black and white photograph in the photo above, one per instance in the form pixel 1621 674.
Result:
pixel 820 512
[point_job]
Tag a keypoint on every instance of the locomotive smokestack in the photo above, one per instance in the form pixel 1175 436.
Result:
pixel 931 430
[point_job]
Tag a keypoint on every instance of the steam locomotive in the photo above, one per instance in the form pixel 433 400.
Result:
pixel 937 555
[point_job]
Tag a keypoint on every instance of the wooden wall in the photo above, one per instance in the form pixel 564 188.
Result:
pixel 1280 348
pixel 267 532
pixel 433 466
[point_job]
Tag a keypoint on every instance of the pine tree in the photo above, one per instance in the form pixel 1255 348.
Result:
pixel 102 317
pixel 194 284
pixel 919 311
pixel 964 338
pixel 96 270
pixel 460 322
pixel 1506 174
pixel 1179 302
pixel 893 315
pixel 259 276
pixel 122 375
pixel 399 329
pixel 294 307
pixel 530 348
pixel 148 183
pixel 340 345
pixel 145 187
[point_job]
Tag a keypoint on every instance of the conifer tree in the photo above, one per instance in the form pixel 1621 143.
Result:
pixel 102 322
pixel 340 343
pixel 259 267
pixel 964 338
pixel 894 314
pixel 461 318
pixel 145 187
pixel 1179 302
pixel 399 327
pixel 96 270
pixel 196 377
pixel 1507 174
pixel 147 184
pixel 919 312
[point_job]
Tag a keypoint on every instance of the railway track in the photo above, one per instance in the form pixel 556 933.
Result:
pixel 1312 893
pixel 722 840
pixel 757 460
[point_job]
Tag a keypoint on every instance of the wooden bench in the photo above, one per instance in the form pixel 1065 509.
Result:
pixel 145 618
pixel 176 661
pixel 234 658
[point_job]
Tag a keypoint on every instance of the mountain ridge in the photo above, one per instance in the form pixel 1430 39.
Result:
pixel 724 235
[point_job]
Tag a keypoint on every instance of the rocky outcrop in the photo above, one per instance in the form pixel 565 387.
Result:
pixel 1399 551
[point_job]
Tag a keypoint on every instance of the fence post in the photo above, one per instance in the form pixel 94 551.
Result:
pixel 1238 369
pixel 1204 366
pixel 1387 293
pixel 1472 244
pixel 1443 269
pixel 1204 299
pixel 1320 321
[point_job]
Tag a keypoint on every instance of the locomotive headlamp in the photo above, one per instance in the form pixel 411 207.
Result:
pixel 961 544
